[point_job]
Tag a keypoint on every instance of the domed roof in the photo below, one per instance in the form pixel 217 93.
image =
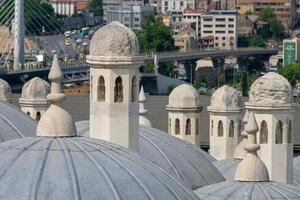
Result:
pixel 35 88
pixel 144 121
pixel 226 98
pixel 81 168
pixel 186 162
pixel 114 40
pixel 14 123
pixel 184 96
pixel 271 89
pixel 227 167
pixel 233 190
pixel 5 91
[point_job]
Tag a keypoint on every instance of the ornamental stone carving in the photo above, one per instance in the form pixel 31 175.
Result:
pixel 271 89
pixel 226 98
pixel 36 88
pixel 114 40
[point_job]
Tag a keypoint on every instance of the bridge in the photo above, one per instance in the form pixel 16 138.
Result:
pixel 78 71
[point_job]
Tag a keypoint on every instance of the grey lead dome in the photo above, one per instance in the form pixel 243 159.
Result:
pixel 68 168
pixel 188 163
pixel 14 123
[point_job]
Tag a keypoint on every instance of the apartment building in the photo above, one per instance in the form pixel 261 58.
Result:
pixel 219 30
pixel 68 7
pixel 171 6
pixel 131 16
pixel 285 10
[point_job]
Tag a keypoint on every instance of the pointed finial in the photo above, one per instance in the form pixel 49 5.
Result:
pixel 142 99
pixel 56 122
pixel 142 111
pixel 252 168
pixel 246 117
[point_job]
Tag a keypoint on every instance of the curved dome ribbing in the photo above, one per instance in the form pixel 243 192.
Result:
pixel 184 96
pixel 183 160
pixel 14 123
pixel 233 190
pixel 81 168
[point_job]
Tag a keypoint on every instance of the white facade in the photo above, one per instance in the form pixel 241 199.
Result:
pixel 168 6
pixel 63 7
pixel 130 15
pixel 114 77
pixel 225 122
pixel 222 27
pixel 270 100
pixel 184 114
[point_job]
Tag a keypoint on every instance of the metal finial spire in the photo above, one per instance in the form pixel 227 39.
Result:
pixel 252 168
pixel 56 122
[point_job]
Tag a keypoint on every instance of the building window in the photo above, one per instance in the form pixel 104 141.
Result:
pixel 197 127
pixel 290 132
pixel 38 116
pixel 231 128
pixel 263 139
pixel 101 89
pixel 188 127
pixel 279 133
pixel 220 129
pixel 212 128
pixel 134 90
pixel 118 90
pixel 177 127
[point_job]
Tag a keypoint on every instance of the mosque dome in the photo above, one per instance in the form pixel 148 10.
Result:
pixel 14 123
pixel 35 88
pixel 144 121
pixel 81 168
pixel 184 97
pixel 226 98
pixel 5 91
pixel 272 89
pixel 114 40
pixel 233 190
pixel 186 162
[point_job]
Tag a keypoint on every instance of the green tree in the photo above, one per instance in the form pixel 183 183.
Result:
pixel 96 7
pixel 275 27
pixel 155 36
pixel 245 86
pixel 264 31
pixel 291 72
pixel 267 14
pixel 256 41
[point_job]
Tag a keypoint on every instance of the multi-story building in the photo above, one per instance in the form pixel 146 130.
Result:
pixel 68 7
pixel 130 15
pixel 170 6
pixel 219 30
pixel 285 10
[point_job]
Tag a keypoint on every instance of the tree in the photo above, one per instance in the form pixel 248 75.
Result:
pixel 291 72
pixel 245 86
pixel 274 29
pixel 267 14
pixel 264 31
pixel 96 7
pixel 256 41
pixel 154 36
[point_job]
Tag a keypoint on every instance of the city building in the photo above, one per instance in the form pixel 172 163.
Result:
pixel 130 15
pixel 69 7
pixel 291 51
pixel 170 6
pixel 219 29
pixel 186 41
pixel 285 10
